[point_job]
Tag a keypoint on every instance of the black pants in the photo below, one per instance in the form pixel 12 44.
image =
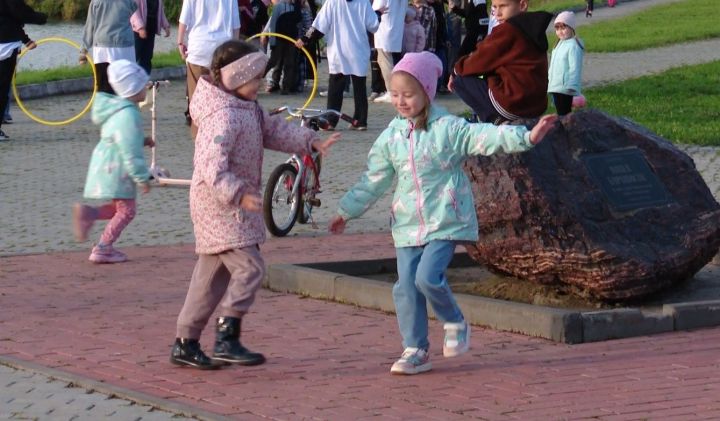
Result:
pixel 474 92
pixel 336 86
pixel 103 83
pixel 377 83
pixel 563 103
pixel 144 51
pixel 283 58
pixel 7 68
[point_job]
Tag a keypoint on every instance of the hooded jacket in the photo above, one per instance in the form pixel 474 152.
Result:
pixel 118 162
pixel 566 63
pixel 513 60
pixel 14 14
pixel 232 134
pixel 433 199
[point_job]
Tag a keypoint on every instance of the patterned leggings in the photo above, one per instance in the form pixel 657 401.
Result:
pixel 120 212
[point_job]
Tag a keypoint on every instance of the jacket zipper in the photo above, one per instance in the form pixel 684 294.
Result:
pixel 421 220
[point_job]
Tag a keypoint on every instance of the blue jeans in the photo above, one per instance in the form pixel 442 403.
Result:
pixel 421 277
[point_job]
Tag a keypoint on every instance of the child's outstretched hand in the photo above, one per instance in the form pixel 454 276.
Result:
pixel 323 146
pixel 337 225
pixel 542 128
pixel 251 202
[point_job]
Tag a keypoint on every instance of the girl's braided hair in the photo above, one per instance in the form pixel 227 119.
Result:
pixel 226 53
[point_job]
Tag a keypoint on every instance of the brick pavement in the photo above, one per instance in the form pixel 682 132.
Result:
pixel 326 360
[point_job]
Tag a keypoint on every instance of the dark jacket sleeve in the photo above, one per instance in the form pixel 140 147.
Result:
pixel 23 13
pixel 311 35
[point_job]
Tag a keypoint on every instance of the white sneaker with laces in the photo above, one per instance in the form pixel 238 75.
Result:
pixel 384 98
pixel 412 361
pixel 457 339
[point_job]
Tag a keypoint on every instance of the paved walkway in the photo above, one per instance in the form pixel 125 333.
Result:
pixel 71 327
pixel 115 324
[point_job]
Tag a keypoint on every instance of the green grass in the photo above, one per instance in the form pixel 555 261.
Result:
pixel 74 72
pixel 690 20
pixel 559 5
pixel 681 105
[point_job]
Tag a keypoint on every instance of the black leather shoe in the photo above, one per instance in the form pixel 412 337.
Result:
pixel 228 347
pixel 187 352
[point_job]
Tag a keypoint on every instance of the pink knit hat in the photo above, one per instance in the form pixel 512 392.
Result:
pixel 425 67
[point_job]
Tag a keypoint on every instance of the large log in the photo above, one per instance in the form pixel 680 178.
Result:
pixel 602 207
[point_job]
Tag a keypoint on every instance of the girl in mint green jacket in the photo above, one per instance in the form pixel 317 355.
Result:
pixel 118 164
pixel 566 63
pixel 432 208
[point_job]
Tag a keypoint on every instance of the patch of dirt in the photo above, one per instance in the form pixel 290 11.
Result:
pixel 480 281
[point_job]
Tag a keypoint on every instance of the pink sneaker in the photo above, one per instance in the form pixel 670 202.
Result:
pixel 83 219
pixel 106 254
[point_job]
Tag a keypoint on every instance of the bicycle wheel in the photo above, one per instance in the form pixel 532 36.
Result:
pixel 280 202
pixel 307 199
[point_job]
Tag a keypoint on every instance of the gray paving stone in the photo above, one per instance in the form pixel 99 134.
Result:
pixel 28 395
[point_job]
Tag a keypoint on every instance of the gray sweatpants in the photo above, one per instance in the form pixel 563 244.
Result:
pixel 230 279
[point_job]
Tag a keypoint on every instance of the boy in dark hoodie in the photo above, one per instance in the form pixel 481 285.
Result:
pixel 505 77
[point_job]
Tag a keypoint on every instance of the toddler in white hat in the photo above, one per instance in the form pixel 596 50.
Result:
pixel 566 62
pixel 117 164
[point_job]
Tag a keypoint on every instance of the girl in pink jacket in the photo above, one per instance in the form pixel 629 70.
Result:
pixel 414 33
pixel 225 204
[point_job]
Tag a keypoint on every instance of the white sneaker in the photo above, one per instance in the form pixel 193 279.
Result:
pixel 457 339
pixel 373 95
pixel 412 361
pixel 384 98
pixel 3 136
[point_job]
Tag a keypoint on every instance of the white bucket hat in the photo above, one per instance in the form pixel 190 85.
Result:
pixel 126 78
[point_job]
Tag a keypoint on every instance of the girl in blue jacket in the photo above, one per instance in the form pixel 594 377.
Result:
pixel 432 209
pixel 565 74
pixel 118 163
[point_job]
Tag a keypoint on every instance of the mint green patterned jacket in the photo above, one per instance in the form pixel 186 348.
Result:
pixel 118 161
pixel 433 199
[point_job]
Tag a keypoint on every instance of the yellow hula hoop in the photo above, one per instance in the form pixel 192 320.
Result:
pixel 307 54
pixel 69 120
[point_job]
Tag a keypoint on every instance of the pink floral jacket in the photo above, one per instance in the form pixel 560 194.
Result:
pixel 232 134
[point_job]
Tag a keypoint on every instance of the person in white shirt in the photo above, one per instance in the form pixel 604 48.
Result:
pixel 345 24
pixel 389 38
pixel 206 24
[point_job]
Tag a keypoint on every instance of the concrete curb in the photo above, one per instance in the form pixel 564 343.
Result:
pixel 73 86
pixel 110 390
pixel 343 282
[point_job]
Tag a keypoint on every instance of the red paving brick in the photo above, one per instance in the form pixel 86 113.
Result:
pixel 327 360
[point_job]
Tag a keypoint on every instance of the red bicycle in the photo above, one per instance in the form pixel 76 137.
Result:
pixel 292 188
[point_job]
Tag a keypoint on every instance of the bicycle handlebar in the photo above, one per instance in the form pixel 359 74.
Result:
pixel 308 113
pixel 156 83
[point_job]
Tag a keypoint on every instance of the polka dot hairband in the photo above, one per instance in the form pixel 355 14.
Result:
pixel 243 70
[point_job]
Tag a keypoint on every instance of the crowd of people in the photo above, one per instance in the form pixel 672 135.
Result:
pixel 414 52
